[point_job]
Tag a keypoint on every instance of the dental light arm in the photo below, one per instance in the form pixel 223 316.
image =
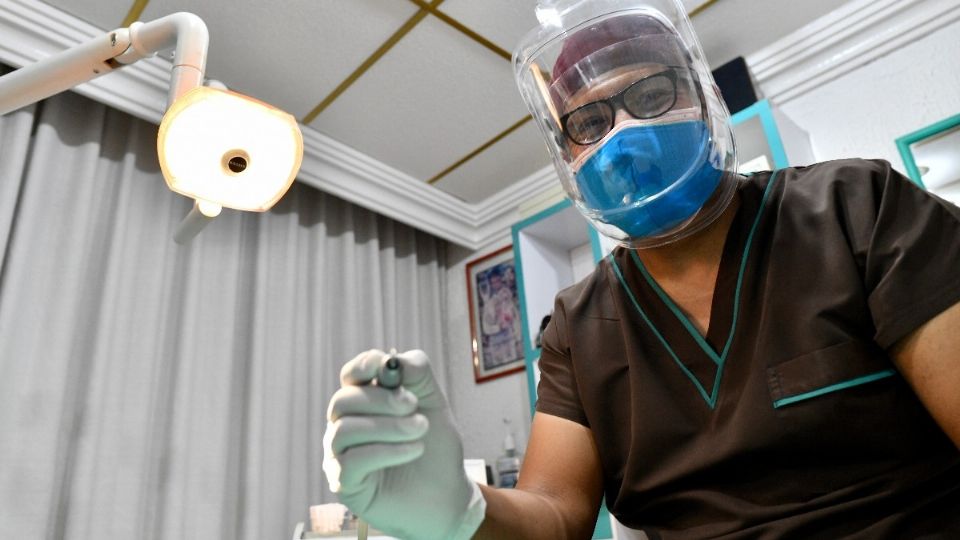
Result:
pixel 61 71
pixel 184 32
pixel 81 63
pixel 216 146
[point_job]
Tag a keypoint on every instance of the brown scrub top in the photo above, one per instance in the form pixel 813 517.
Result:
pixel 788 419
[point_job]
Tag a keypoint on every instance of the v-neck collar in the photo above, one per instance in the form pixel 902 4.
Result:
pixel 714 348
pixel 719 302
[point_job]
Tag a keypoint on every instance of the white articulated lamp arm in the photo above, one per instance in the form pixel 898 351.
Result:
pixel 215 146
pixel 186 34
pixel 60 72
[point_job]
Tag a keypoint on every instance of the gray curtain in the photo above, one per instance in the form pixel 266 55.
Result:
pixel 156 391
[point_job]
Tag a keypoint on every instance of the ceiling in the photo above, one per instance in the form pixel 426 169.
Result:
pixel 424 87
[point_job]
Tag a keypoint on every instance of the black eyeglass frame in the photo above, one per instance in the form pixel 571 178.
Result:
pixel 617 101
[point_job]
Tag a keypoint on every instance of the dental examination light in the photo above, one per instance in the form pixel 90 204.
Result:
pixel 221 148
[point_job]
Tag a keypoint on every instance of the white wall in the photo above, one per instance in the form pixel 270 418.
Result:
pixel 479 408
pixel 862 112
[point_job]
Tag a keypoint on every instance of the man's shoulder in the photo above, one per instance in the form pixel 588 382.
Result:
pixel 841 181
pixel 836 172
pixel 591 296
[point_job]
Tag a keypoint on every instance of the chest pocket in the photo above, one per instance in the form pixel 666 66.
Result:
pixel 832 369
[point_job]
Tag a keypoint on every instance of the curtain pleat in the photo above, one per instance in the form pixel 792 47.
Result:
pixel 156 391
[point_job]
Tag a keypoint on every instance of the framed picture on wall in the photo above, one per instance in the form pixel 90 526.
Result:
pixel 495 325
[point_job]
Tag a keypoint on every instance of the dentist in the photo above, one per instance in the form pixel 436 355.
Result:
pixel 761 357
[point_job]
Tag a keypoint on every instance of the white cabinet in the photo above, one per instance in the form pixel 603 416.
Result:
pixel 552 250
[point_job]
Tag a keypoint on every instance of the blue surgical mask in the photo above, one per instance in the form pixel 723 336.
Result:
pixel 648 179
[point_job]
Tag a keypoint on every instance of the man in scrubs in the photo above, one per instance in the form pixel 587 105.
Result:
pixel 761 357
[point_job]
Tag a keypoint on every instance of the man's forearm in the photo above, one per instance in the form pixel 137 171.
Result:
pixel 515 513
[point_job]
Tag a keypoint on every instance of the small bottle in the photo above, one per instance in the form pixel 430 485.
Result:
pixel 508 465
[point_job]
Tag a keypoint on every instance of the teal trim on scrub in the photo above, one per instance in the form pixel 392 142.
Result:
pixel 720 359
pixel 833 388
pixel 903 144
pixel 762 110
pixel 653 328
pixel 529 353
pixel 676 310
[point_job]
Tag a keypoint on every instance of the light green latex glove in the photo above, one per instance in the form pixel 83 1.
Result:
pixel 394 455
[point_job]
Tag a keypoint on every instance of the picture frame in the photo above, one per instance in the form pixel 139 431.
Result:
pixel 496 328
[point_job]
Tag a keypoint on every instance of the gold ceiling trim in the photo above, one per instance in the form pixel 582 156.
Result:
pixel 136 10
pixel 701 8
pixel 371 60
pixel 499 51
pixel 485 145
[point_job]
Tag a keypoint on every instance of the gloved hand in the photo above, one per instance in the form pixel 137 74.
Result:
pixel 394 455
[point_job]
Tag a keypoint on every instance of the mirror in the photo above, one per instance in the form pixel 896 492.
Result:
pixel 932 157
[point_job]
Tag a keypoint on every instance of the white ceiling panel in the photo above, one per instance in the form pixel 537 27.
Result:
pixel 431 100
pixel 516 156
pixel 105 14
pixel 503 22
pixel 734 28
pixel 292 53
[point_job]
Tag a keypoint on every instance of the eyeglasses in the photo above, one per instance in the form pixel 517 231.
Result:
pixel 647 98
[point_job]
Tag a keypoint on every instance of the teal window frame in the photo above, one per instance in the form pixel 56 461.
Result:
pixel 904 142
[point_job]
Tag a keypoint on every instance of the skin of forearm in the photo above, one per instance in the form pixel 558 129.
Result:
pixel 516 513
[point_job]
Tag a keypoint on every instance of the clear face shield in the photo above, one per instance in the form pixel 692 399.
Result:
pixel 632 118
